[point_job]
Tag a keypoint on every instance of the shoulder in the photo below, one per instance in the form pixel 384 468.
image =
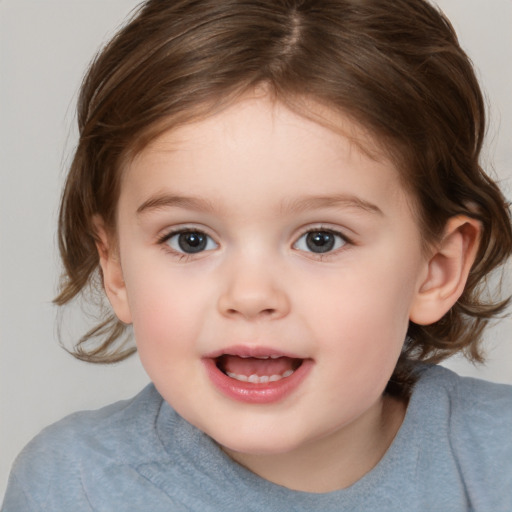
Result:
pixel 473 403
pixel 121 433
pixel 108 427
pixel 476 417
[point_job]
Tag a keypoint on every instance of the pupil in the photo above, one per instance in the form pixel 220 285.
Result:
pixel 320 241
pixel 192 242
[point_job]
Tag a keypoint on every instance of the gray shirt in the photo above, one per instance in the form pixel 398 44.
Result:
pixel 452 453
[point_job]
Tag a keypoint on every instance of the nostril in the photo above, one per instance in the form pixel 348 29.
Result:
pixel 263 312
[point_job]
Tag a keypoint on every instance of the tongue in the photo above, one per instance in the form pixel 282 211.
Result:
pixel 253 366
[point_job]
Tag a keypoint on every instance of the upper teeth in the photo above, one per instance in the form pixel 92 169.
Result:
pixel 260 357
pixel 259 379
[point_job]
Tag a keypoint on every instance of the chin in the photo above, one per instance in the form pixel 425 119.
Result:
pixel 258 443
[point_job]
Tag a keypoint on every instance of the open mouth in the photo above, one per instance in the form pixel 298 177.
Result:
pixel 257 370
pixel 256 375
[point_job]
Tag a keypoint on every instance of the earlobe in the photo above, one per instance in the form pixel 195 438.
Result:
pixel 447 271
pixel 112 273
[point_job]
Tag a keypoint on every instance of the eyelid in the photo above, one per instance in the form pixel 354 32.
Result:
pixel 178 230
pixel 167 233
pixel 323 228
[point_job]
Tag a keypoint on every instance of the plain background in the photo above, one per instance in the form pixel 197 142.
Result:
pixel 45 46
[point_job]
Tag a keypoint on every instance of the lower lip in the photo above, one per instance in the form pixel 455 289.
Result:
pixel 257 393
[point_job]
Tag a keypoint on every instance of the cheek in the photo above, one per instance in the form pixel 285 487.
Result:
pixel 360 352
pixel 364 317
pixel 164 315
pixel 166 330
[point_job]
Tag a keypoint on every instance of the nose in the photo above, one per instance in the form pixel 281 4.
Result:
pixel 251 291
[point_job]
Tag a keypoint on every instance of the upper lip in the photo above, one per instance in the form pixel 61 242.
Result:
pixel 251 351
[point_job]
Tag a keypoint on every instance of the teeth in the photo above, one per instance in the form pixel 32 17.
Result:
pixel 259 357
pixel 259 379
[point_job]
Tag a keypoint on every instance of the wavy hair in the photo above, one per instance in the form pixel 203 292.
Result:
pixel 396 68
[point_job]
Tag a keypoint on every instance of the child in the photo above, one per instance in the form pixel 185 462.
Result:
pixel 284 199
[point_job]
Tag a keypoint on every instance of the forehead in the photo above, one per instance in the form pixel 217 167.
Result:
pixel 263 146
pixel 261 104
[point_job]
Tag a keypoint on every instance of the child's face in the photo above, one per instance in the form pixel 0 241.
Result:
pixel 257 232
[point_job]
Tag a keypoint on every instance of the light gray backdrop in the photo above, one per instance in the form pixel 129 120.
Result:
pixel 45 46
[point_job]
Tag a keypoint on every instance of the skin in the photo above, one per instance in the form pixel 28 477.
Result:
pixel 256 178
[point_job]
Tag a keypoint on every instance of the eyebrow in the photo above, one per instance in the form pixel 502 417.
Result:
pixel 341 200
pixel 161 201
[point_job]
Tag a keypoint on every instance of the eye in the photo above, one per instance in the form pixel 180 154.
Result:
pixel 190 242
pixel 320 241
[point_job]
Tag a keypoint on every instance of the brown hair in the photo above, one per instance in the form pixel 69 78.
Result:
pixel 395 67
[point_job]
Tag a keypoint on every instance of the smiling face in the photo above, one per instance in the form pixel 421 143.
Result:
pixel 269 268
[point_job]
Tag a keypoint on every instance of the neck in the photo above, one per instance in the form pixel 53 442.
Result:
pixel 336 461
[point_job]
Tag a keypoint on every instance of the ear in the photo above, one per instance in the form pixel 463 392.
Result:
pixel 447 271
pixel 112 272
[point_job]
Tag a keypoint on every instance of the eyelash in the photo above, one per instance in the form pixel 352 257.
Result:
pixel 182 255
pixel 332 251
pixel 165 239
